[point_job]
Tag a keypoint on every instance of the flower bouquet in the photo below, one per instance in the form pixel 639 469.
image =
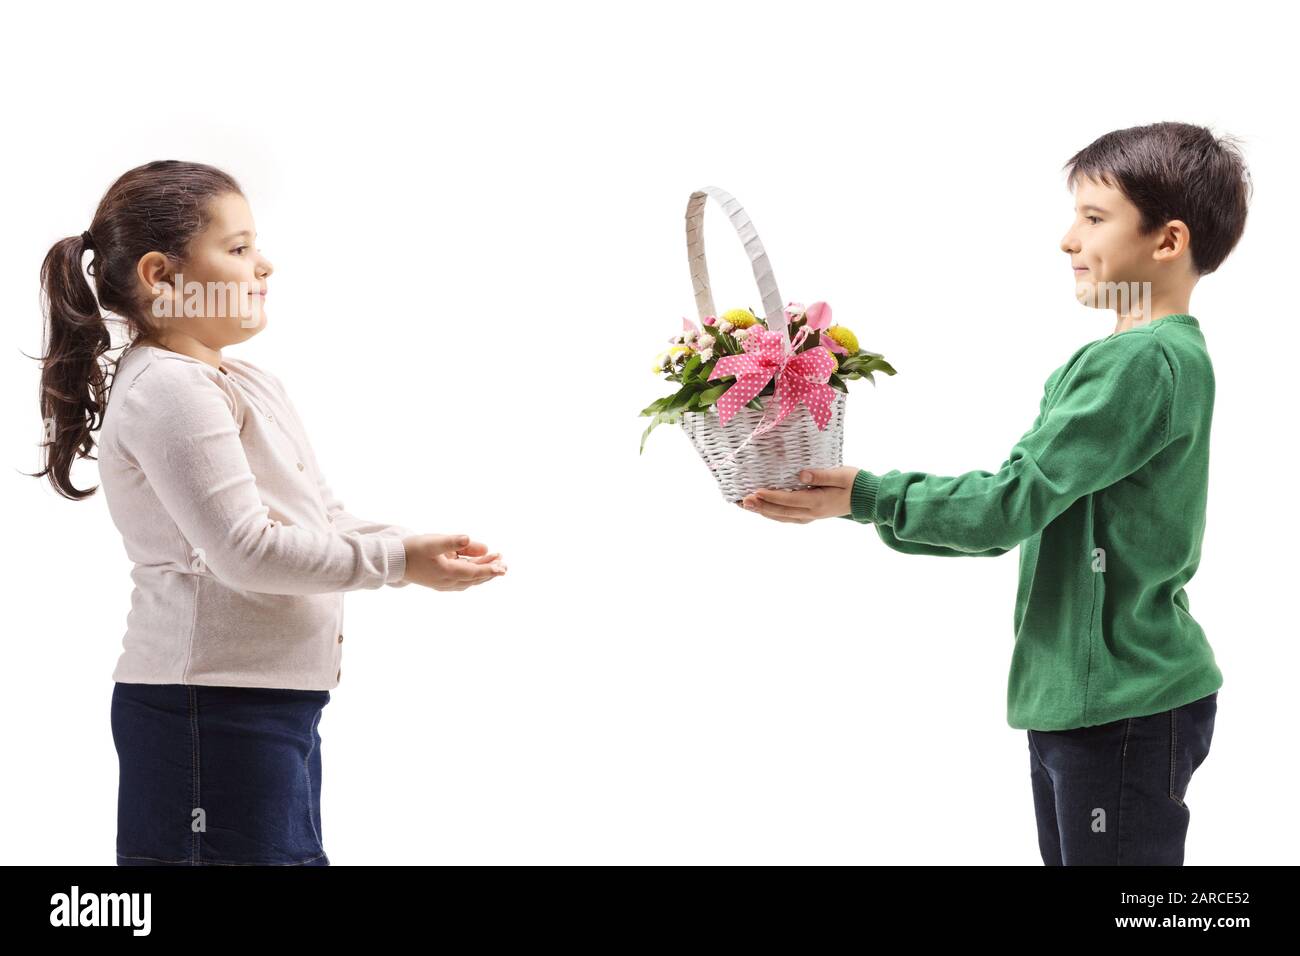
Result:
pixel 783 380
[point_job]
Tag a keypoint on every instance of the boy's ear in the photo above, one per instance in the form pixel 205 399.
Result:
pixel 1175 240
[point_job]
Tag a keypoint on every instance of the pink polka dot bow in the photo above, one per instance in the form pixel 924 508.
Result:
pixel 799 377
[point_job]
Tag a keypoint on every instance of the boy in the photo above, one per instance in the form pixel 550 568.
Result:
pixel 1111 676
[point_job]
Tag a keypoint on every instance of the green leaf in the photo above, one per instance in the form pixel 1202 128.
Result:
pixel 659 419
pixel 681 399
pixel 658 405
pixel 856 366
pixel 877 364
pixel 711 395
pixel 702 376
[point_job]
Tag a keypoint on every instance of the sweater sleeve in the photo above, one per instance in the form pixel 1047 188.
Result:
pixel 1110 416
pixel 892 540
pixel 179 426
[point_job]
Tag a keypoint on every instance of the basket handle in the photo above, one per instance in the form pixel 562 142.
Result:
pixel 771 297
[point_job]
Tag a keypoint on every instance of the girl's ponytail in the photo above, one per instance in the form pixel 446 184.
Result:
pixel 158 207
pixel 72 379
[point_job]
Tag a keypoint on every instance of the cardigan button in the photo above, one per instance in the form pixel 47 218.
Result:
pixel 301 466
pixel 339 674
pixel 270 418
pixel 340 638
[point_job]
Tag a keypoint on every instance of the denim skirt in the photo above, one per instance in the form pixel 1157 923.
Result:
pixel 218 776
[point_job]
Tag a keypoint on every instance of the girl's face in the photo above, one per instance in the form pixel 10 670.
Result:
pixel 222 299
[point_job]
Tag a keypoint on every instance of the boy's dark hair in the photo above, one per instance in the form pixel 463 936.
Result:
pixel 158 207
pixel 1175 171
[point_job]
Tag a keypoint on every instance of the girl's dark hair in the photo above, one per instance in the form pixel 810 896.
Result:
pixel 1175 171
pixel 158 207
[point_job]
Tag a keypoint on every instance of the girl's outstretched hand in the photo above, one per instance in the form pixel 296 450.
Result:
pixel 449 562
pixel 829 498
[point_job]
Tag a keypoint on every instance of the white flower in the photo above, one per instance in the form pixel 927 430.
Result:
pixel 689 336
pixel 704 342
pixel 741 334
pixel 724 325
pixel 706 355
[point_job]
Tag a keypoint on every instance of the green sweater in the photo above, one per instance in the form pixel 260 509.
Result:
pixel 1105 495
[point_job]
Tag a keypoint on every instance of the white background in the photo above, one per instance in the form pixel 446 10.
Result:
pixel 476 219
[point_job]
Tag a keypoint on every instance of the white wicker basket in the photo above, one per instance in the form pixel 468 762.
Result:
pixel 775 458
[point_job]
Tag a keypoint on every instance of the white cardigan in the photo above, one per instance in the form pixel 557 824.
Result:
pixel 241 549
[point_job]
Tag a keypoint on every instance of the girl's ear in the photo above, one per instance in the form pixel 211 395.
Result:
pixel 154 268
pixel 157 277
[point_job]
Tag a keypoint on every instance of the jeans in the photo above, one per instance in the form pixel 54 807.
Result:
pixel 1115 794
pixel 218 776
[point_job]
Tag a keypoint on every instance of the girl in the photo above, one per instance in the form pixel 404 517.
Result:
pixel 241 549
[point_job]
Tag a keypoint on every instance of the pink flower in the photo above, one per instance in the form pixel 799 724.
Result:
pixel 819 316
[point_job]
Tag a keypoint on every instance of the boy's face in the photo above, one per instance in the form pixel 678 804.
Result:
pixel 1104 244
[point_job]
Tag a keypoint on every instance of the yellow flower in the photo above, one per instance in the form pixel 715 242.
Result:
pixel 844 337
pixel 740 318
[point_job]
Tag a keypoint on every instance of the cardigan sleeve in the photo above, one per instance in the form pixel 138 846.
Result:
pixel 347 523
pixel 1109 417
pixel 179 426
pixel 340 518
